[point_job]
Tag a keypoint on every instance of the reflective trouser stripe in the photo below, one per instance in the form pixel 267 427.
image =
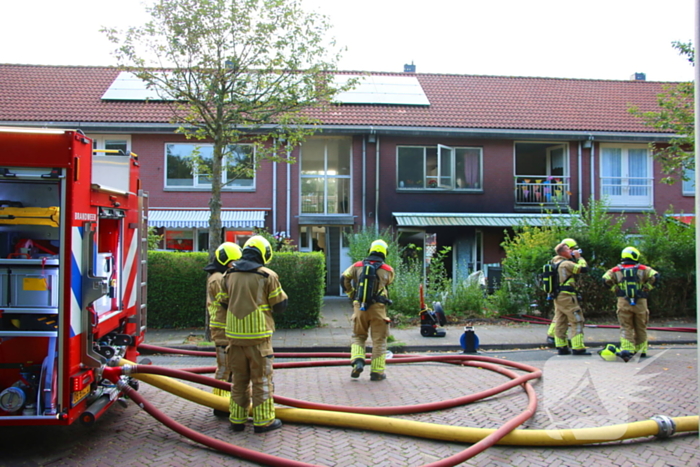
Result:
pixel 626 344
pixel 642 348
pixel 577 342
pixel 552 326
pixel 378 364
pixel 264 413
pixel 221 392
pixel 357 351
pixel 238 414
pixel 561 342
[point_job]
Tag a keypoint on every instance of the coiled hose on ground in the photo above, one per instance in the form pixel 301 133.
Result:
pixel 374 418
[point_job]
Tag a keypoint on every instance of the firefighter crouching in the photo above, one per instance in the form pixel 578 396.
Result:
pixel 224 256
pixel 631 281
pixel 252 293
pixel 369 309
pixel 567 310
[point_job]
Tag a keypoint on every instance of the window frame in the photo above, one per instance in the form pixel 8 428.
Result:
pixel 196 184
pixel 687 186
pixel 627 201
pixel 439 182
pixel 327 177
pixel 100 141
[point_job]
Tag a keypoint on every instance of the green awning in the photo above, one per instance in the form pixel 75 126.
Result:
pixel 473 219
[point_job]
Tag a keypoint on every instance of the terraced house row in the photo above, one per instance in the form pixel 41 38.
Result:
pixel 462 157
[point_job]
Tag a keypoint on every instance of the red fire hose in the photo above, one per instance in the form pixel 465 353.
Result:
pixel 489 363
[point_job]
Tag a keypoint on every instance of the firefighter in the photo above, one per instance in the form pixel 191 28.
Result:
pixel 224 256
pixel 631 281
pixel 571 243
pixel 252 293
pixel 567 311
pixel 373 318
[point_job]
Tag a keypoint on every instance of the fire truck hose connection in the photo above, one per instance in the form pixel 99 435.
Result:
pixel 374 418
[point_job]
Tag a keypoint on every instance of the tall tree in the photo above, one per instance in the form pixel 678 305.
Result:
pixel 676 114
pixel 232 72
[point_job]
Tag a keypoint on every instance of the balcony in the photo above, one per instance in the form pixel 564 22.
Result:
pixel 542 191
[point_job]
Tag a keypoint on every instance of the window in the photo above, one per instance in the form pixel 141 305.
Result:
pixel 626 175
pixel 689 184
pixel 117 142
pixel 325 176
pixel 439 168
pixel 182 174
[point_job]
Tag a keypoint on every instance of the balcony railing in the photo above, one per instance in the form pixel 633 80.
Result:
pixel 535 190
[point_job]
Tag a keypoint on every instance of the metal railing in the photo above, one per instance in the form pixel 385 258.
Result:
pixel 542 190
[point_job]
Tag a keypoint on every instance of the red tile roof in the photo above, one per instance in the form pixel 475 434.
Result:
pixel 57 94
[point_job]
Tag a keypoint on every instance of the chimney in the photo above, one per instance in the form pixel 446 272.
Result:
pixel 409 68
pixel 639 77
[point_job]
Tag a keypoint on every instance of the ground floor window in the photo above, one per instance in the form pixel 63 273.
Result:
pixel 198 239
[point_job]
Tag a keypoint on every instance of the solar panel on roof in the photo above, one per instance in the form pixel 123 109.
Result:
pixel 379 89
pixel 127 87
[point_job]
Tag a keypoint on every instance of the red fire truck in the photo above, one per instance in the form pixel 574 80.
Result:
pixel 73 241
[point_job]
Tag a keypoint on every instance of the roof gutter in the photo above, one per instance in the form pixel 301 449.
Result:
pixel 485 133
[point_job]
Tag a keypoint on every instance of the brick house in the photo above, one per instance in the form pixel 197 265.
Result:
pixel 462 157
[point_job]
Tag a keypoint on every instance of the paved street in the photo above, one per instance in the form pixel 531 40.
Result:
pixel 575 392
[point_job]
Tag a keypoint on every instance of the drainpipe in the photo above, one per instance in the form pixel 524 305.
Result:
pixel 289 193
pixel 364 182
pixel 376 184
pixel 274 192
pixel 592 167
pixel 580 177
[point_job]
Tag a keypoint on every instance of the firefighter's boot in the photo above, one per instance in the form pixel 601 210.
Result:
pixel 580 352
pixel 563 351
pixel 374 376
pixel 357 366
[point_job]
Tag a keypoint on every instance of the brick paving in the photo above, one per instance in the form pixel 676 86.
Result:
pixel 575 392
pixel 130 437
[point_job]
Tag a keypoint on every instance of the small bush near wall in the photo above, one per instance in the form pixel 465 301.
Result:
pixel 177 288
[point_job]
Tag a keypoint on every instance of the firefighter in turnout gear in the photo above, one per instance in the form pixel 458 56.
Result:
pixel 631 281
pixel 369 317
pixel 252 293
pixel 567 311
pixel 224 255
pixel 551 331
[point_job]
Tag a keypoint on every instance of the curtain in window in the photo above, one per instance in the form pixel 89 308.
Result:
pixel 472 171
pixel 611 171
pixel 638 172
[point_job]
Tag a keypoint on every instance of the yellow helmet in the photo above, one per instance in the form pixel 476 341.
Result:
pixel 261 244
pixel 378 246
pixel 630 252
pixel 227 252
pixel 571 243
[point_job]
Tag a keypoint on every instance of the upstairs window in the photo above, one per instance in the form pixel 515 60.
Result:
pixel 112 142
pixel 182 173
pixel 688 182
pixel 626 176
pixel 439 168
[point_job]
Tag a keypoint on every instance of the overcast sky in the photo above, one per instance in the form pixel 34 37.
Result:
pixel 598 39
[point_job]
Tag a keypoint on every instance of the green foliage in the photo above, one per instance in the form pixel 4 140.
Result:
pixel 360 241
pixel 303 278
pixel 233 68
pixel 153 239
pixel 177 288
pixel 405 290
pixel 676 115
pixel 666 245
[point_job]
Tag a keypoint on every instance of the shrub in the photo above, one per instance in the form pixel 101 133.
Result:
pixel 177 288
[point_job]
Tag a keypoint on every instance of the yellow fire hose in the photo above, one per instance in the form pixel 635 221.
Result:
pixel 567 437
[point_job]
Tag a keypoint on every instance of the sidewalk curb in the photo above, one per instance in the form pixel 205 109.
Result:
pixel 410 348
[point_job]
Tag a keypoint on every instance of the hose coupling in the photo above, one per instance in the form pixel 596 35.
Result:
pixel 667 427
pixel 127 370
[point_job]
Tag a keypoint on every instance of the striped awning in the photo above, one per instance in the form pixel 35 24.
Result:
pixel 473 219
pixel 199 218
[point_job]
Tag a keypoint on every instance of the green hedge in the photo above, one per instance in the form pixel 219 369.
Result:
pixel 177 288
